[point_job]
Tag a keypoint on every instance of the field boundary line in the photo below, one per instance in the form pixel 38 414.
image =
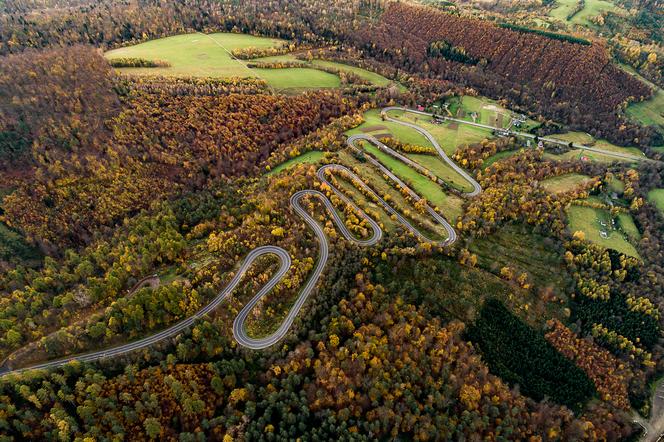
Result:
pixel 233 57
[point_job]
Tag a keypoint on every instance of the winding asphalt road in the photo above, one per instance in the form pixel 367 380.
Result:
pixel 476 187
pixel 451 237
pixel 451 233
pixel 239 329
pixel 623 156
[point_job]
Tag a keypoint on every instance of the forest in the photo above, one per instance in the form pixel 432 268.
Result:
pixel 528 69
pixel 129 201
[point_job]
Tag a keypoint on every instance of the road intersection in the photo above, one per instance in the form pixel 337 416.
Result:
pixel 563 143
pixel 239 329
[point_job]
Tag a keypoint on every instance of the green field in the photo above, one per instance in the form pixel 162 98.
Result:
pixel 208 55
pixel 587 220
pixel 656 196
pixel 498 156
pixel 588 140
pixel 383 187
pixel 565 183
pixel 298 78
pixel 312 157
pixel 591 9
pixel 422 185
pixel 372 77
pixel 626 222
pixel 616 185
pixel 488 111
pixel 449 135
pixel 375 182
pixel 584 155
pixel 442 170
pixel 374 125
pixel 194 54
pixel 649 112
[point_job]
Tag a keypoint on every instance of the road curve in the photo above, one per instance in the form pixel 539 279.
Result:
pixel 451 233
pixel 623 156
pixel 239 329
pixel 477 189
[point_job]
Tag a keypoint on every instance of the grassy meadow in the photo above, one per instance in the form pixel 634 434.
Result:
pixel 208 55
pixel 656 196
pixel 565 183
pixel 592 8
pixel 312 157
pixel 587 220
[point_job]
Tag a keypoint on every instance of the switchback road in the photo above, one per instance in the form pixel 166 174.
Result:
pixel 239 329
pixel 563 143
pixel 476 187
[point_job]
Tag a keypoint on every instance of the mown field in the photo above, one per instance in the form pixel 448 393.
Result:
pixel 201 55
pixel 449 135
pixel 626 222
pixel 565 183
pixel 488 111
pixel 592 8
pixel 194 54
pixel 649 112
pixel 588 140
pixel 449 203
pixel 656 196
pixel 584 155
pixel 442 170
pixel 374 125
pixel 383 187
pixel 298 78
pixel 372 77
pixel 423 186
pixel 587 220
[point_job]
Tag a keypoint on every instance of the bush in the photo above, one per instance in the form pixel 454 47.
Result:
pixel 138 63
pixel 553 35
pixel 446 50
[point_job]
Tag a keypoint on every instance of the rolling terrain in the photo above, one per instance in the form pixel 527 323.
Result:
pixel 308 220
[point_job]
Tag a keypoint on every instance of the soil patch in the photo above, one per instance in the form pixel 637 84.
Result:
pixel 373 128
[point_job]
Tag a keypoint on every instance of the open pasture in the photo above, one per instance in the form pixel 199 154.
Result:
pixel 209 55
pixel 595 224
pixel 565 183
pixel 656 196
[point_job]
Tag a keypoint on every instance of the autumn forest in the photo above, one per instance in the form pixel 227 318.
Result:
pixel 350 220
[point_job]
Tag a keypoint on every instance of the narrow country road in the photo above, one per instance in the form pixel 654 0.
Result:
pixel 239 329
pixel 619 155
pixel 653 429
pixel 451 233
pixel 476 187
